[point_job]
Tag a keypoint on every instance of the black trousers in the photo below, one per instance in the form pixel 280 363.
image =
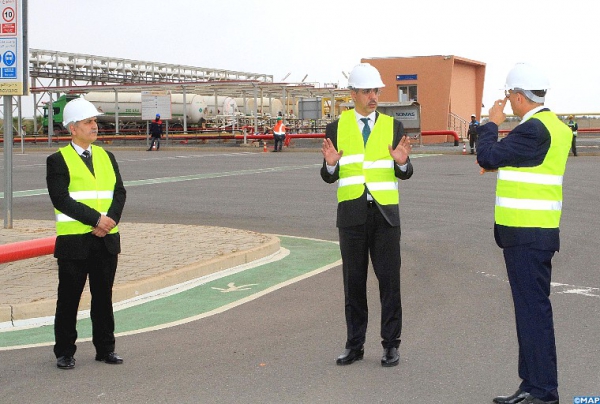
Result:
pixel 472 141
pixel 529 273
pixel 382 241
pixel 278 142
pixel 101 267
pixel 574 145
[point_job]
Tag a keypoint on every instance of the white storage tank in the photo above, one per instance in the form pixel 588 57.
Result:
pixel 224 106
pixel 130 106
pixel 271 106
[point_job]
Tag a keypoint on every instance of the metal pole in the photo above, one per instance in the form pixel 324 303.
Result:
pixel 20 124
pixel 167 132
pixel 8 143
pixel 35 107
pixel 50 110
pixel 255 108
pixel 184 111
pixel 116 112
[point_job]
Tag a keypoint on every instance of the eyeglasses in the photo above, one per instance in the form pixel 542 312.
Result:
pixel 507 93
pixel 367 91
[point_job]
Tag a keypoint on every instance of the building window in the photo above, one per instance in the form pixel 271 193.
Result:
pixel 407 93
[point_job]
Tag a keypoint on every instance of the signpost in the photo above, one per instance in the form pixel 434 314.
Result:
pixel 156 102
pixel 13 81
pixel 13 53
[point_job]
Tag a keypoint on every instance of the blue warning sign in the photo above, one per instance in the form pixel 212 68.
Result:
pixel 9 58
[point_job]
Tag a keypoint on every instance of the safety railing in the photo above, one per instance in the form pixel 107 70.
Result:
pixel 26 249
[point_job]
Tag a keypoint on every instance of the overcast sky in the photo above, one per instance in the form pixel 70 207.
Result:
pixel 322 38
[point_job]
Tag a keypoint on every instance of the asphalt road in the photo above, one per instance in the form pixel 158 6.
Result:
pixel 458 341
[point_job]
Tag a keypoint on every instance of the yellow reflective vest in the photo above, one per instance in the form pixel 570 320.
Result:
pixel 93 191
pixel 369 164
pixel 532 196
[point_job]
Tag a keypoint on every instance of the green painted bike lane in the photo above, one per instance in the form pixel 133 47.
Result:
pixel 307 257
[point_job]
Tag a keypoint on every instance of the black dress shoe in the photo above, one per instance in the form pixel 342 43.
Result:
pixel 519 396
pixel 350 356
pixel 390 357
pixel 65 362
pixel 110 358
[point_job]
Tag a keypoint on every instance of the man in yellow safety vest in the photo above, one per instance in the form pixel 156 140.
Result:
pixel 530 162
pixel 88 195
pixel 366 152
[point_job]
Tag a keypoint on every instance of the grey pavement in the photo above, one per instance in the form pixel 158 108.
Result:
pixel 458 338
pixel 154 256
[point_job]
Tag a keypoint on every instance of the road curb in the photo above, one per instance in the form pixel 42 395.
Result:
pixel 124 291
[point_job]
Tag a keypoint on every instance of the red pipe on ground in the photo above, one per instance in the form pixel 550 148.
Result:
pixel 26 249
pixel 443 133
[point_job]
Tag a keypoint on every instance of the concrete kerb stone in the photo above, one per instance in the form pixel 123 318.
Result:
pixel 144 265
pixel 129 290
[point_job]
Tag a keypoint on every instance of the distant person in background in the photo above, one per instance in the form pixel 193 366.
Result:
pixel 279 134
pixel 156 132
pixel 472 133
pixel 88 196
pixel 573 125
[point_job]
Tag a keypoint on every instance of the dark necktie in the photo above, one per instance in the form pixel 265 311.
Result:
pixel 87 159
pixel 366 129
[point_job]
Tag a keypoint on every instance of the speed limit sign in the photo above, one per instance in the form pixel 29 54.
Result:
pixel 8 14
pixel 13 60
pixel 8 25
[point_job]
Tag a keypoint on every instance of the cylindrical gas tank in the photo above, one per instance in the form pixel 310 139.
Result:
pixel 130 106
pixel 195 109
pixel 224 106
pixel 271 106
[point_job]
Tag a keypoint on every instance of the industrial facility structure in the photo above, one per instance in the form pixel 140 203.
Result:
pixel 446 90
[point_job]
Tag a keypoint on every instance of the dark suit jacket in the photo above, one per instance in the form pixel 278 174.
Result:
pixel 354 212
pixel 78 246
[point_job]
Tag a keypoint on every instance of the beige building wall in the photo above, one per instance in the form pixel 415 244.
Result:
pixel 449 89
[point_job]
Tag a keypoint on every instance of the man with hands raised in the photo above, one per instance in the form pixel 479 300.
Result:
pixel 366 152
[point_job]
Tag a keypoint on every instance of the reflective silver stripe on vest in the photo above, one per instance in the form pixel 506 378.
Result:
pixel 530 178
pixel 528 204
pixel 83 195
pixel 61 217
pixel 379 164
pixel 382 186
pixel 355 158
pixel 356 180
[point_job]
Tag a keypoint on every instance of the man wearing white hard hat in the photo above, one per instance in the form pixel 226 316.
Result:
pixel 366 152
pixel 88 195
pixel 530 162
pixel 472 132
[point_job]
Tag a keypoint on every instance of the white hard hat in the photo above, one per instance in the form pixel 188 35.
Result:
pixel 78 110
pixel 365 76
pixel 528 78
